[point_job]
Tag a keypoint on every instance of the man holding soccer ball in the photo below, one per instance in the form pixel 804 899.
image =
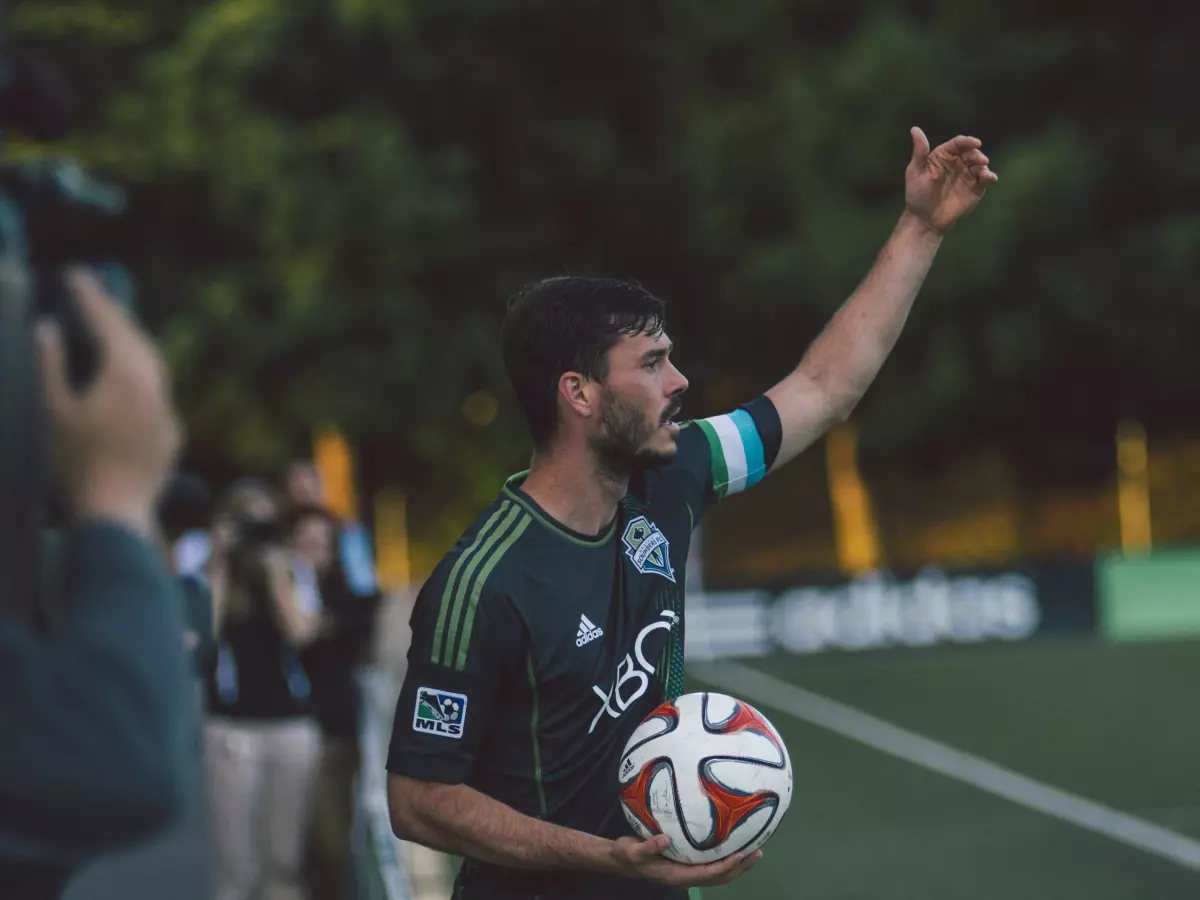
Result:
pixel 555 625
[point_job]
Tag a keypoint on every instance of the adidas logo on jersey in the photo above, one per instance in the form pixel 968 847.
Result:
pixel 587 632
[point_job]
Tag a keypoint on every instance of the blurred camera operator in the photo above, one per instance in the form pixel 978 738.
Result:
pixel 94 712
pixel 262 742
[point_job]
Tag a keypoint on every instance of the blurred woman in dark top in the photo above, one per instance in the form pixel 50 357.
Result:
pixel 332 662
pixel 262 742
pixel 340 553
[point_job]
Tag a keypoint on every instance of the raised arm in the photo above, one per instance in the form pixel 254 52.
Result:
pixel 942 186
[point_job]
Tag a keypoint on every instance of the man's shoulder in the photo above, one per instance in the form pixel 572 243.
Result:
pixel 487 556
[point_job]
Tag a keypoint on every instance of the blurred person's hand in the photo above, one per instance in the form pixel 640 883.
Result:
pixel 114 443
pixel 276 561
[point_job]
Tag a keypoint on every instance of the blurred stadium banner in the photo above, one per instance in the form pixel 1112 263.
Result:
pixel 377 858
pixel 879 610
pixel 1150 597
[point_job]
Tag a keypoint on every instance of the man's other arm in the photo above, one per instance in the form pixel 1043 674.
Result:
pixel 455 818
pixel 93 713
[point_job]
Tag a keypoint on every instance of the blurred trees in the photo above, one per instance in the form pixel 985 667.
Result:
pixel 334 197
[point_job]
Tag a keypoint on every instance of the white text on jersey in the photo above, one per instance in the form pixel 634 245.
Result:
pixel 622 695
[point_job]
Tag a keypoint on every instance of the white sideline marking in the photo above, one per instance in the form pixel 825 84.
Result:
pixel 758 687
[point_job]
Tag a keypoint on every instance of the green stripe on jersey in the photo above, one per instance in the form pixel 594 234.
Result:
pixel 452 581
pixel 480 581
pixel 720 472
pixel 463 588
pixel 533 730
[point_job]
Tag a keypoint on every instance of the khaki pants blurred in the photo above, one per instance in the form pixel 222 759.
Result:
pixel 260 780
pixel 332 820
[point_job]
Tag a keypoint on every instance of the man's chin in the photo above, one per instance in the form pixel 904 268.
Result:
pixel 660 454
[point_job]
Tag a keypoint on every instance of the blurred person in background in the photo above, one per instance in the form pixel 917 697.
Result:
pixel 261 739
pixel 330 662
pixel 185 505
pixel 185 516
pixel 93 711
pixel 355 562
pixel 350 607
pixel 302 484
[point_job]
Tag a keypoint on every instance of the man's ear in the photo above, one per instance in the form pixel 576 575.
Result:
pixel 579 392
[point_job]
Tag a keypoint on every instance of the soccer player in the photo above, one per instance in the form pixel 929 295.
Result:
pixel 556 623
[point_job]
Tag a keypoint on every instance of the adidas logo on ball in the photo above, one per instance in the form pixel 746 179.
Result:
pixel 587 632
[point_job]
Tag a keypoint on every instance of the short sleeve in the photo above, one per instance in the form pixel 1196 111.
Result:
pixel 466 641
pixel 726 454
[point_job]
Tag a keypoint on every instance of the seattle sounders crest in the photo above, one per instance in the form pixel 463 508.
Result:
pixel 648 549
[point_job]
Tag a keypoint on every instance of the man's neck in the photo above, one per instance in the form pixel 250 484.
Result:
pixel 575 490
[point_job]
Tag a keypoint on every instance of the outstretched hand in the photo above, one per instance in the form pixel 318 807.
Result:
pixel 945 184
pixel 643 859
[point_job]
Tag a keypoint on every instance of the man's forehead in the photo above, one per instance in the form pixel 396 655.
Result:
pixel 643 342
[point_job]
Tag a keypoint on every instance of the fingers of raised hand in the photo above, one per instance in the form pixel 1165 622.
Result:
pixel 962 144
pixel 984 174
pixel 975 158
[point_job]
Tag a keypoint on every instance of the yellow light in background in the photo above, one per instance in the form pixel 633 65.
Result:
pixel 855 528
pixel 1133 488
pixel 335 462
pixel 480 408
pixel 394 562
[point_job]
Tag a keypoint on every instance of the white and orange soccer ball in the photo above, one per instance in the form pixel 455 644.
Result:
pixel 710 772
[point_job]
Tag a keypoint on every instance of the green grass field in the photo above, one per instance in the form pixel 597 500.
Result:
pixel 1116 725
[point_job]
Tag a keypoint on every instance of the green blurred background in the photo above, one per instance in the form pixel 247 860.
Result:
pixel 333 198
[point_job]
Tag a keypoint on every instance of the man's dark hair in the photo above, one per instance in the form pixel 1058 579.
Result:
pixel 568 325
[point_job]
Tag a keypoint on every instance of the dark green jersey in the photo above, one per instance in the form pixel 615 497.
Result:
pixel 536 650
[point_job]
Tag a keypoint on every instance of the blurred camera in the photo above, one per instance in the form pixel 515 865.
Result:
pixel 255 534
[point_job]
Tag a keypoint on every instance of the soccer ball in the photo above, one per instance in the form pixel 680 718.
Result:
pixel 710 772
pixel 450 710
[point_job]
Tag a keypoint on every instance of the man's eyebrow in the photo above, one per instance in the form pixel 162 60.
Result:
pixel 658 352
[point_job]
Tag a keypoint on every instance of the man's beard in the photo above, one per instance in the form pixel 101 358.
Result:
pixel 622 448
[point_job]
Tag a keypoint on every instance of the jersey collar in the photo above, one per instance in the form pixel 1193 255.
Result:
pixel 512 489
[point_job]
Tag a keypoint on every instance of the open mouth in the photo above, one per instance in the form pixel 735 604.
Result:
pixel 668 419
